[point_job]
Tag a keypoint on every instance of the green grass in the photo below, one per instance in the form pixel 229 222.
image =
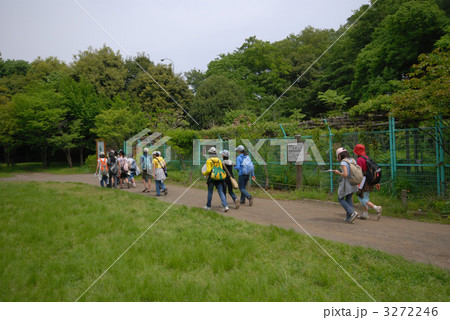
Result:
pixel 54 168
pixel 57 238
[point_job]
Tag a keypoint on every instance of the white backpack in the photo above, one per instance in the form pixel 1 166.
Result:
pixel 247 166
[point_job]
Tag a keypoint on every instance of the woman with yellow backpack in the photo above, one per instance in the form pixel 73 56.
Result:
pixel 216 178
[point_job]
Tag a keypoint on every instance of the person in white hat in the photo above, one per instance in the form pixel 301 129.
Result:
pixel 228 164
pixel 216 177
pixel 241 161
pixel 346 189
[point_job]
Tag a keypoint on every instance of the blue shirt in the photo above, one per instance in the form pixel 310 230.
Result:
pixel 238 166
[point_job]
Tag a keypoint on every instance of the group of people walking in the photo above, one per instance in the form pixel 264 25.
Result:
pixel 363 187
pixel 356 176
pixel 117 170
pixel 219 173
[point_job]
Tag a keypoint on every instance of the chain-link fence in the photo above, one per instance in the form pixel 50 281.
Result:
pixel 413 159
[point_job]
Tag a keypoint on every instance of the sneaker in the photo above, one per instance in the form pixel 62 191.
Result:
pixel 207 208
pixel 225 209
pixel 236 204
pixel 250 201
pixel 353 217
pixel 379 211
pixel 165 191
pixel 134 185
pixel 364 215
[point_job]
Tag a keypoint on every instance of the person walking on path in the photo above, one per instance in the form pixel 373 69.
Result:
pixel 159 173
pixel 244 166
pixel 228 165
pixel 365 188
pixel 346 189
pixel 113 169
pixel 145 162
pixel 123 169
pixel 102 169
pixel 216 176
pixel 134 171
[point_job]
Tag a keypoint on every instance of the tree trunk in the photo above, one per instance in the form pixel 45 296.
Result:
pixel 81 156
pixel 69 158
pixel 8 156
pixel 44 157
pixel 408 156
pixel 267 177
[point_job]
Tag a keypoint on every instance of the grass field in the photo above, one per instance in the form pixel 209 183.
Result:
pixel 57 238
pixel 55 168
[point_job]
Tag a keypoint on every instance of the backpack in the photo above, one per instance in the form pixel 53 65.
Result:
pixel 113 167
pixel 125 166
pixel 356 174
pixel 103 166
pixel 247 166
pixel 373 173
pixel 133 166
pixel 217 172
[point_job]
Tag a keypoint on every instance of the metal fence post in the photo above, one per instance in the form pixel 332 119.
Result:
pixel 330 153
pixel 285 169
pixel 392 149
pixel 440 170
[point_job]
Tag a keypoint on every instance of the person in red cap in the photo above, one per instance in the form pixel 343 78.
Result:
pixel 364 188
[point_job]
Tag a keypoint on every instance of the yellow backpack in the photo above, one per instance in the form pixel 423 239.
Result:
pixel 217 172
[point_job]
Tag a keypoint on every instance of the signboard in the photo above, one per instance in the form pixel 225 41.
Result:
pixel 100 144
pixel 296 152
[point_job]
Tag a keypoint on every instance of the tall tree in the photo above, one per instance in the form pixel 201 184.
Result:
pixel 104 68
pixel 120 122
pixel 215 96
pixel 164 98
pixel 38 112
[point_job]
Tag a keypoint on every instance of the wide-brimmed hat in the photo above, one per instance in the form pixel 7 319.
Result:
pixel 212 150
pixel 360 150
pixel 339 151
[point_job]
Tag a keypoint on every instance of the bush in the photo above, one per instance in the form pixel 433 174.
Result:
pixel 91 162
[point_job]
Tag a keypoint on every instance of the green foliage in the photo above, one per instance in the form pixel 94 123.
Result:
pixel 194 79
pixel 103 68
pixel 91 162
pixel 10 67
pixel 396 46
pixel 216 96
pixel 333 100
pixel 163 97
pixel 384 63
pixel 119 122
pixel 181 142
pixel 420 97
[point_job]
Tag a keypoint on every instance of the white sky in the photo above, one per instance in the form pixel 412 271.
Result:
pixel 191 33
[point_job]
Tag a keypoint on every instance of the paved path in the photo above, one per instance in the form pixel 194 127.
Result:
pixel 417 241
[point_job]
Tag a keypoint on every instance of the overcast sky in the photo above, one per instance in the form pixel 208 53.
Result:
pixel 191 33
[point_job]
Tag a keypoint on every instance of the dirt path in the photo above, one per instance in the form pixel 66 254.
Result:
pixel 417 241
